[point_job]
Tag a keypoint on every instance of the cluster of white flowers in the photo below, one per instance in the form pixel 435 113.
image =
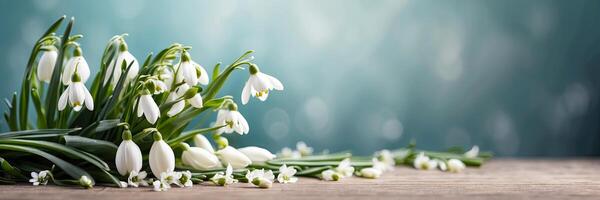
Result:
pixel 423 162
pixel 301 150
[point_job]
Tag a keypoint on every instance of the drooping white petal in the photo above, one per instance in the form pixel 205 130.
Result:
pixel 149 108
pixel 232 156
pixel 46 65
pixel 62 101
pixel 176 108
pixel 196 101
pixel 257 154
pixel 89 101
pixel 474 152
pixel 202 142
pixel 128 158
pixel 162 158
pixel 274 82
pixel 246 93
pixel 203 79
pixel 76 63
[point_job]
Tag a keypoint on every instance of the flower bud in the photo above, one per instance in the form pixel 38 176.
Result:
pixel 222 142
pixel 203 142
pixel 129 156
pixel 232 156
pixel 262 182
pixel 199 158
pixel 46 64
pixel 162 158
pixel 370 172
pixel 455 166
pixel 257 154
pixel 86 182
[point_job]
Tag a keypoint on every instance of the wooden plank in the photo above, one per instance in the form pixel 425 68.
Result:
pixel 499 179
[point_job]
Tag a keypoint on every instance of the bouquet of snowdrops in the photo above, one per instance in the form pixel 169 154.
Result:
pixel 131 127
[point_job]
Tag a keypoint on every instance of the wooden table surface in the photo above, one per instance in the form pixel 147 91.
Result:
pixel 498 179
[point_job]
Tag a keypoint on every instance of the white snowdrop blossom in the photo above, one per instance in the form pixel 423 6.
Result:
pixel 345 168
pixel 387 158
pixel 259 85
pixel 233 157
pixel 224 178
pixel 442 165
pixel 257 154
pixel 232 120
pixel 40 178
pixel 86 182
pixel 161 158
pixel 423 162
pixel 159 86
pixel 77 95
pixel 185 180
pixel 45 66
pixel 136 179
pixel 159 186
pixel 129 156
pixel 170 178
pixel 370 172
pixel 147 107
pixel 286 152
pixel 76 65
pixel 181 95
pixel 116 67
pixel 455 166
pixel 286 174
pixel 473 153
pixel 304 149
pixel 190 72
pixel 202 142
pixel 330 175
pixel 260 178
pixel 199 158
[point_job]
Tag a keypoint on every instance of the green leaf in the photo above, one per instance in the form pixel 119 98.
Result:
pixel 113 99
pixel 25 85
pixel 12 116
pixel 216 71
pixel 312 171
pixel 105 176
pixel 70 169
pixel 37 131
pixel 9 169
pixel 100 126
pixel 102 148
pixel 41 116
pixel 189 134
pixel 65 150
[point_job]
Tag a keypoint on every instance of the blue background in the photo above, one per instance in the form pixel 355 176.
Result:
pixel 516 77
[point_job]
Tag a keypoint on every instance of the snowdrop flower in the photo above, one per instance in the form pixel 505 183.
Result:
pixel 160 186
pixel 190 72
pixel 161 159
pixel 330 175
pixel 166 76
pixel 147 107
pixel 129 156
pixel 202 142
pixel 261 178
pixel 76 94
pixel 232 120
pixel 76 65
pixel 46 64
pixel 86 182
pixel 424 163
pixel 226 178
pixel 259 85
pixel 442 165
pixel 345 168
pixel 122 184
pixel 233 157
pixel 455 166
pixel 158 86
pixel 40 178
pixel 170 178
pixel 386 157
pixel 115 67
pixel 382 166
pixel 186 179
pixel 190 95
pixel 199 158
pixel 257 154
pixel 473 153
pixel 136 179
pixel 370 172
pixel 286 174
pixel 304 149
pixel 286 152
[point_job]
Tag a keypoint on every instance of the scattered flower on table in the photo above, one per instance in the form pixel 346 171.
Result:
pixel 40 178
pixel 286 174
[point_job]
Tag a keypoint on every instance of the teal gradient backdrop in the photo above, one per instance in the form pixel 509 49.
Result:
pixel 519 78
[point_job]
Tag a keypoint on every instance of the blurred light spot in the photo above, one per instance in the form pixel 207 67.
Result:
pixel 313 118
pixel 45 5
pixel 276 123
pixel 129 9
pixel 449 64
pixel 500 125
pixel 457 137
pixel 540 21
pixel 576 99
pixel 315 27
pixel 392 129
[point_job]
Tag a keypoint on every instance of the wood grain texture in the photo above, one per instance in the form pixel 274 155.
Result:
pixel 498 179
